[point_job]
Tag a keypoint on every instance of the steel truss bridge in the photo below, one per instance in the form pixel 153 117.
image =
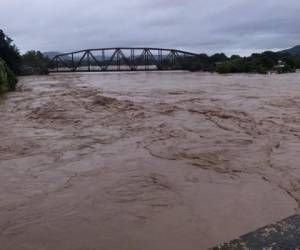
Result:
pixel 122 59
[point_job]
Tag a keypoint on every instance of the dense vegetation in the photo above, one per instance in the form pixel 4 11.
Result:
pixel 279 62
pixel 10 63
pixel 34 62
pixel 204 62
pixel 8 81
pixel 9 53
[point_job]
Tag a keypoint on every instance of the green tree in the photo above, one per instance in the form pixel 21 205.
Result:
pixel 9 53
pixel 8 81
pixel 234 57
pixel 219 57
pixel 36 60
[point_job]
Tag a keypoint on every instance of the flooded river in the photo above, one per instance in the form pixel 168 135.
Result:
pixel 143 161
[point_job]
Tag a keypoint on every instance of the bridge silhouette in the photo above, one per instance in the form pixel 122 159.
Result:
pixel 122 59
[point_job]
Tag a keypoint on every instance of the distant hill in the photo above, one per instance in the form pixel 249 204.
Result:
pixel 51 54
pixel 294 51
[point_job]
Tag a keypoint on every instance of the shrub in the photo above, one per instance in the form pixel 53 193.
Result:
pixel 8 81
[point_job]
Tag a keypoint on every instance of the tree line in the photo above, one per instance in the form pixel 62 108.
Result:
pixel 268 61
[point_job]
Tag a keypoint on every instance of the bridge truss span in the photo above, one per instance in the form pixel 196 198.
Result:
pixel 122 59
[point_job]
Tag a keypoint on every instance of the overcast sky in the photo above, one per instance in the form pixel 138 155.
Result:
pixel 232 26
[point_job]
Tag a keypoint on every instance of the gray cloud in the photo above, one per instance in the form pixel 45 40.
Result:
pixel 232 26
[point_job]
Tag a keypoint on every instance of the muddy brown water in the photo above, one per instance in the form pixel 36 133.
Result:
pixel 146 160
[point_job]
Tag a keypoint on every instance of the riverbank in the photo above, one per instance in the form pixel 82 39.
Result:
pixel 146 160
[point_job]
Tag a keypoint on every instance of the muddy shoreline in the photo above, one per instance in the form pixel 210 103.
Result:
pixel 146 160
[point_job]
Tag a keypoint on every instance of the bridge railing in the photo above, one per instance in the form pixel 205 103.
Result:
pixel 122 59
